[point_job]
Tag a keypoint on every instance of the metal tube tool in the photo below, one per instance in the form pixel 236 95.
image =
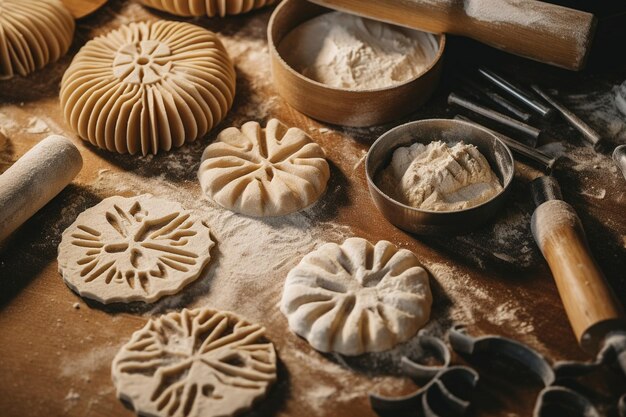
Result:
pixel 595 314
pixel 516 92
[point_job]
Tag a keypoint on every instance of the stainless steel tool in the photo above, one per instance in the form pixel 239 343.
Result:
pixel 619 156
pixel 588 133
pixel 446 390
pixel 528 131
pixel 477 90
pixel 545 161
pixel 517 93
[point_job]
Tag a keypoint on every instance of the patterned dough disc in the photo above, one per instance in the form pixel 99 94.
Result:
pixel 148 87
pixel 33 33
pixel 264 172
pixel 196 363
pixel 208 8
pixel 133 249
pixel 356 297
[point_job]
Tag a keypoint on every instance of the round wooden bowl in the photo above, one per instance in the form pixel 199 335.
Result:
pixel 342 106
pixel 429 222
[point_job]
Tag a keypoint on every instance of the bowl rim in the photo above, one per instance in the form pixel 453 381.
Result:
pixel 507 180
pixel 273 48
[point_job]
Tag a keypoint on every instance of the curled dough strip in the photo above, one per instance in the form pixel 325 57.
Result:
pixel 208 8
pixel 148 87
pixel 33 33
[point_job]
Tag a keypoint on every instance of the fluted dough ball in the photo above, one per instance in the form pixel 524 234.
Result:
pixel 148 87
pixel 33 33
pixel 264 172
pixel 208 8
pixel 357 297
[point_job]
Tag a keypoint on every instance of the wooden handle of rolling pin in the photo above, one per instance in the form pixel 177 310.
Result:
pixel 590 304
pixel 545 32
pixel 35 179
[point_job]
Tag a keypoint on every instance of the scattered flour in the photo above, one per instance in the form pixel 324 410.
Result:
pixel 72 395
pixel 348 51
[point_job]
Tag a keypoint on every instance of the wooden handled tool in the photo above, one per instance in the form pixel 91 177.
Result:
pixel 591 306
pixel 541 31
pixel 32 181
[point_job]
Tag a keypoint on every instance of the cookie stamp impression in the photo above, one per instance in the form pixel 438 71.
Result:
pixel 133 249
pixel 196 363
pixel 264 172
pixel 357 297
pixel 148 87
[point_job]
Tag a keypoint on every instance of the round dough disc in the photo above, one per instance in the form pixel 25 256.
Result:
pixel 264 172
pixel 33 33
pixel 196 363
pixel 148 87
pixel 208 8
pixel 357 297
pixel 133 249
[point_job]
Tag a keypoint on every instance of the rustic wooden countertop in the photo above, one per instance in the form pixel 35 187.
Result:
pixel 55 358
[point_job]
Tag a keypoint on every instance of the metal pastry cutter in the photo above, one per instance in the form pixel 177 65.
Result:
pixel 446 391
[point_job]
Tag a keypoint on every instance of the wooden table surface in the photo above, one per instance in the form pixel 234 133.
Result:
pixel 55 358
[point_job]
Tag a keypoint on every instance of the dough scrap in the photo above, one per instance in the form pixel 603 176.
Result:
pixel 148 87
pixel 133 249
pixel 357 297
pixel 208 8
pixel 33 33
pixel 264 172
pixel 196 363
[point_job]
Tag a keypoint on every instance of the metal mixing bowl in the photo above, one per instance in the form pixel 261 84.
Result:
pixel 421 221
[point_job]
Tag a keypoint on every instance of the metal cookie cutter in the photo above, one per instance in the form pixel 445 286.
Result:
pixel 446 391
pixel 555 399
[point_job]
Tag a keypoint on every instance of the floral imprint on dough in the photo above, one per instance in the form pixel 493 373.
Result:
pixel 264 172
pixel 145 62
pixel 133 249
pixel 195 363
pixel 357 297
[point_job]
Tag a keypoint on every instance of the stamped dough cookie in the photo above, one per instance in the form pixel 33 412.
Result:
pixel 133 249
pixel 356 297
pixel 208 8
pixel 33 33
pixel 148 87
pixel 196 363
pixel 264 172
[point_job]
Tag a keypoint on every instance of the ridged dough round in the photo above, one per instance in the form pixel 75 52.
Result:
pixel 148 87
pixel 357 297
pixel 264 172
pixel 33 33
pixel 208 8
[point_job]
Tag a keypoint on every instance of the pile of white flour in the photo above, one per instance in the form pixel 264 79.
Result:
pixel 347 51
pixel 438 177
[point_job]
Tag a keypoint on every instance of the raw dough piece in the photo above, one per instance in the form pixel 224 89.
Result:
pixel 439 177
pixel 196 363
pixel 356 297
pixel 264 172
pixel 208 8
pixel 148 87
pixel 133 249
pixel 33 33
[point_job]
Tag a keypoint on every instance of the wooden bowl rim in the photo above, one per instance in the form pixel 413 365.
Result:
pixel 273 47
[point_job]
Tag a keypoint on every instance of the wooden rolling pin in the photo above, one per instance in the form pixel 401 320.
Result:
pixel 35 179
pixel 533 29
pixel 591 306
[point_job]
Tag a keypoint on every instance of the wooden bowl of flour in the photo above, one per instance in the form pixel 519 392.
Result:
pixel 429 222
pixel 337 105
